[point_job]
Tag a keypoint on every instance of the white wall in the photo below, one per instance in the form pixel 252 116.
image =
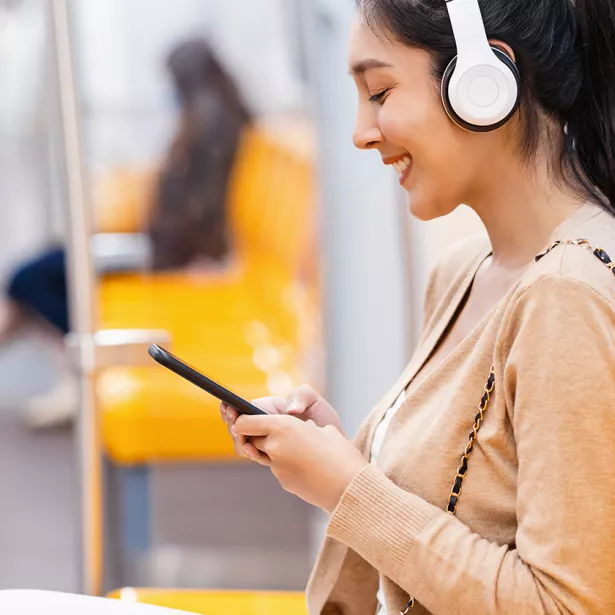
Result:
pixel 23 154
pixel 22 45
pixel 122 46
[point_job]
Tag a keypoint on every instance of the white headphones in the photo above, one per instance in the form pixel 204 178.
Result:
pixel 480 87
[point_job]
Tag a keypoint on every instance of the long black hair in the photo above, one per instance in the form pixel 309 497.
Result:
pixel 189 218
pixel 565 51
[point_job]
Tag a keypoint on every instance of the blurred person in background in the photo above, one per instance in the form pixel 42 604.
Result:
pixel 518 345
pixel 187 225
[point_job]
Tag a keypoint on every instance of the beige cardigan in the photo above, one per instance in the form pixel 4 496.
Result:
pixel 535 524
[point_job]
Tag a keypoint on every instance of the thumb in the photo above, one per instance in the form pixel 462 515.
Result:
pixel 301 399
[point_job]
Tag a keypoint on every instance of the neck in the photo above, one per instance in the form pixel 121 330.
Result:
pixel 521 207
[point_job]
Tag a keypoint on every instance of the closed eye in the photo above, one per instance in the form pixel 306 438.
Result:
pixel 378 97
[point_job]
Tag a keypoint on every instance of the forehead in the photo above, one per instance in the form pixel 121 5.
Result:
pixel 364 43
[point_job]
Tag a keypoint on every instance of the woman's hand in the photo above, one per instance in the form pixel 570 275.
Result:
pixel 304 403
pixel 315 463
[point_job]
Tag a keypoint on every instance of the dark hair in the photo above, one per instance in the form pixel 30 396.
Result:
pixel 565 51
pixel 194 67
pixel 189 217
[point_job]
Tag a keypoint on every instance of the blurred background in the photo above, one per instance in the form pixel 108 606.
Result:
pixel 182 171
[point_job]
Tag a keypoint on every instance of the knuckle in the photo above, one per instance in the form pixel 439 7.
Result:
pixel 272 448
pixel 288 426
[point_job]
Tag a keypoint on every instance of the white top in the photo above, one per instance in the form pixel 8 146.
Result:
pixel 379 435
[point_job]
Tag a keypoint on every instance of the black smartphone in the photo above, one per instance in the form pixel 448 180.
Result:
pixel 170 361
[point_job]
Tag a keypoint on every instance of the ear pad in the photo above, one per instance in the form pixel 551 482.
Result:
pixel 464 123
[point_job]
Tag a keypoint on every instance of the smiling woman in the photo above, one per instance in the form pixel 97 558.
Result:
pixel 508 107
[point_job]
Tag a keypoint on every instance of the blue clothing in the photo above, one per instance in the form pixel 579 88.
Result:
pixel 41 286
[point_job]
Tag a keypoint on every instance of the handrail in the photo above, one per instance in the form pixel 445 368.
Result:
pixel 82 310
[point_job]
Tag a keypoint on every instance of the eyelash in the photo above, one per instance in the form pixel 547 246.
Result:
pixel 379 97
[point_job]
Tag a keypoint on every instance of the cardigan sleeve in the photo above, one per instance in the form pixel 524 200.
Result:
pixel 559 380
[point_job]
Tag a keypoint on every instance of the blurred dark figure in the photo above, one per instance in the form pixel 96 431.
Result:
pixel 187 227
pixel 189 218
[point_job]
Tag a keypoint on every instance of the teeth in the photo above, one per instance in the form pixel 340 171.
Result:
pixel 401 165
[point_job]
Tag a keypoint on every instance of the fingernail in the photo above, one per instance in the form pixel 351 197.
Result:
pixel 233 430
pixel 295 404
pixel 223 409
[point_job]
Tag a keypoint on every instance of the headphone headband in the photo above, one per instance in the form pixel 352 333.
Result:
pixel 468 28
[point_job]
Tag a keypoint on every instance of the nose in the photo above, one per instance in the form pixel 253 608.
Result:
pixel 366 134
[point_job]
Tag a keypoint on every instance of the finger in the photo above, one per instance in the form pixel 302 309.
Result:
pixel 259 443
pixel 301 399
pixel 223 411
pixel 258 425
pixel 252 453
pixel 239 443
pixel 271 405
pixel 231 415
pixel 227 420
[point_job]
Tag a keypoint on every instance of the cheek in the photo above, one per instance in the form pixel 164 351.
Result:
pixel 440 152
pixel 403 122
pixel 419 124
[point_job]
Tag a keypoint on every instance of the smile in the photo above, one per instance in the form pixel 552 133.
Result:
pixel 403 167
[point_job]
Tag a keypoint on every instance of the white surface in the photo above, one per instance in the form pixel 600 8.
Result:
pixel 468 29
pixel 30 602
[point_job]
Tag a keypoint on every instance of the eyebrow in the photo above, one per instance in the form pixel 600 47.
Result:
pixel 360 68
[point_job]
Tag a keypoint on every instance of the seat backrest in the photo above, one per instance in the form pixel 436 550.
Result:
pixel 122 199
pixel 272 197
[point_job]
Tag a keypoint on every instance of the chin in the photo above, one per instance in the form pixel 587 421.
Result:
pixel 424 208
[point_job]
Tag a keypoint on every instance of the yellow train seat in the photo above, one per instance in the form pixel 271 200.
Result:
pixel 256 328
pixel 218 602
pixel 122 199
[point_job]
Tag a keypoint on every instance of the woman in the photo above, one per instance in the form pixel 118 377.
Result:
pixel 187 228
pixel 521 326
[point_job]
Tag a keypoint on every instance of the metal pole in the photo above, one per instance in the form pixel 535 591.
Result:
pixel 83 311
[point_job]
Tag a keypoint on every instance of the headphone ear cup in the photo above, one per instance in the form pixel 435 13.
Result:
pixel 460 121
pixel 446 99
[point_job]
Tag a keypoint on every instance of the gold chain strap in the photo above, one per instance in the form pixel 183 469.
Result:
pixel 462 470
pixel 490 387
